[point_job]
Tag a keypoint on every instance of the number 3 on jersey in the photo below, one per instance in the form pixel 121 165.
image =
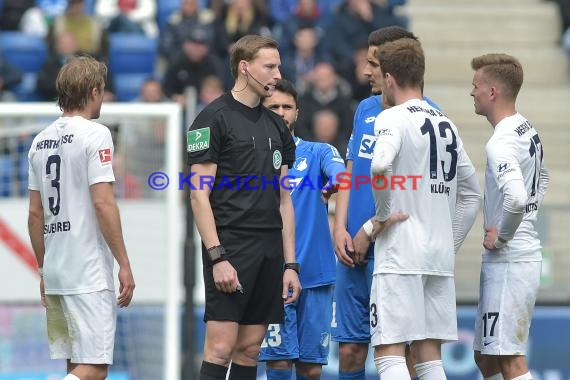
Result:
pixel 273 336
pixel 53 166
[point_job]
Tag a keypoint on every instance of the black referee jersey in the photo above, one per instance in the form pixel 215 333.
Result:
pixel 249 145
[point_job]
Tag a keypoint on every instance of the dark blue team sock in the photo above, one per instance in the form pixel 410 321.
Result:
pixel 357 375
pixel 278 374
pixel 299 377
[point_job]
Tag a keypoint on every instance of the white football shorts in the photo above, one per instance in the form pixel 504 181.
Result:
pixel 507 293
pixel 412 307
pixel 81 327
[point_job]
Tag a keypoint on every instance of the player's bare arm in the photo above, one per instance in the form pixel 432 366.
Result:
pixel 110 223
pixel 361 243
pixel 290 277
pixel 343 245
pixel 225 275
pixel 491 234
pixel 381 227
pixel 36 232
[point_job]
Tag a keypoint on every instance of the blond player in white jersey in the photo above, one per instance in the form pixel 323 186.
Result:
pixel 515 184
pixel 426 174
pixel 74 225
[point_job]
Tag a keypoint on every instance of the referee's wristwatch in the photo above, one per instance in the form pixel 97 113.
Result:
pixel 294 266
pixel 217 254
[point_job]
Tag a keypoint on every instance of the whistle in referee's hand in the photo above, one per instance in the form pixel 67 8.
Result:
pixel 239 289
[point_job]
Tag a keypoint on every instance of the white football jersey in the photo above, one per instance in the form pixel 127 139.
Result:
pixel 514 152
pixel 427 146
pixel 65 159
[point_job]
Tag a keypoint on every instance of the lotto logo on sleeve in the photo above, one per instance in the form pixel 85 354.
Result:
pixel 198 139
pixel 105 156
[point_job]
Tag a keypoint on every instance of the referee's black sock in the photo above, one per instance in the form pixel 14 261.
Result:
pixel 241 372
pixel 211 371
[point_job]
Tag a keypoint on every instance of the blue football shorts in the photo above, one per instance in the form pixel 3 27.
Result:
pixel 351 315
pixel 305 333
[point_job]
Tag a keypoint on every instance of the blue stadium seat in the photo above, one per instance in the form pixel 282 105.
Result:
pixel 23 175
pixel 131 53
pixel 24 51
pixel 127 86
pixel 6 175
pixel 164 9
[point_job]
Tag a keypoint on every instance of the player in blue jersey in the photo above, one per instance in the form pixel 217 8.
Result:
pixel 355 207
pixel 304 336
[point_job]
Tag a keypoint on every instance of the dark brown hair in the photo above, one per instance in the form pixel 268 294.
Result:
pixel 388 34
pixel 404 60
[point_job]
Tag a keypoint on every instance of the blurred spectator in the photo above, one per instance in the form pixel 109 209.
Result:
pixel 327 91
pixel 193 66
pixel 52 8
pixel 219 7
pixel 354 21
pixel 12 12
pixel 141 142
pixel 298 65
pixel 65 47
pixel 353 73
pixel 281 10
pixel 211 89
pixel 87 30
pixel 126 185
pixel 37 20
pixel 34 22
pixel 151 92
pixel 179 24
pixel 128 16
pixel 9 77
pixel 306 13
pixel 239 17
pixel 564 11
pixel 326 128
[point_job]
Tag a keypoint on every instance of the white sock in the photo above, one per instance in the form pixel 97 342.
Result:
pixel 526 376
pixel 392 367
pixel 71 376
pixel 432 370
pixel 497 376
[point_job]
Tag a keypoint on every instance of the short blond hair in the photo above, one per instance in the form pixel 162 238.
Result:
pixel 503 69
pixel 78 76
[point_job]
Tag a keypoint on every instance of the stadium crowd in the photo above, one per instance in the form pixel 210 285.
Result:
pixel 183 43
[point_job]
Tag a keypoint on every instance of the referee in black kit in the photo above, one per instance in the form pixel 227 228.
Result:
pixel 246 220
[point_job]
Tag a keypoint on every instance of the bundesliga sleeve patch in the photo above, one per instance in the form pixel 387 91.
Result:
pixel 105 156
pixel 197 140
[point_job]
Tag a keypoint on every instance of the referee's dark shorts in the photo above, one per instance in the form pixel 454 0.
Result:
pixel 257 256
